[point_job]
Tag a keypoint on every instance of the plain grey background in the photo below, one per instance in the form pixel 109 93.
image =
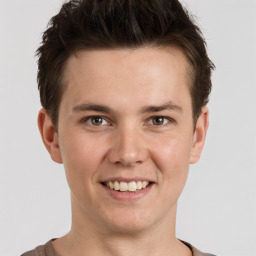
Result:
pixel 218 207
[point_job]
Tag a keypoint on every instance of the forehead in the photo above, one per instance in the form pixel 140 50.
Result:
pixel 142 74
pixel 129 59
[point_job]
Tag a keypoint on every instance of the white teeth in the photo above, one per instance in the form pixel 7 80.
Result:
pixel 116 185
pixel 124 186
pixel 132 186
pixel 111 184
pixel 144 183
pixel 139 185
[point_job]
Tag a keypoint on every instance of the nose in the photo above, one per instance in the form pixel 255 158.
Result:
pixel 128 147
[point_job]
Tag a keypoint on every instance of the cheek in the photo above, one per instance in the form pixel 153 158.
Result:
pixel 171 155
pixel 171 158
pixel 81 158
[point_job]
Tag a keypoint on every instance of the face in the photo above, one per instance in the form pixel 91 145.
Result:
pixel 126 135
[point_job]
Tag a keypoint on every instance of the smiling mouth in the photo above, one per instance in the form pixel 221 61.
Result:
pixel 123 186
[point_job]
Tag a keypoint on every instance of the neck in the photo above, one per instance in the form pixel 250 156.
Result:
pixel 89 238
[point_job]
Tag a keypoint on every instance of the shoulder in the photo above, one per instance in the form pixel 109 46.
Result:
pixel 195 251
pixel 42 250
pixel 29 253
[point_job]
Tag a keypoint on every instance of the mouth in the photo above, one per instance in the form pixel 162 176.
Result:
pixel 123 186
pixel 128 189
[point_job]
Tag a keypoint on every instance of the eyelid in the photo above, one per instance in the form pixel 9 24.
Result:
pixel 169 119
pixel 85 120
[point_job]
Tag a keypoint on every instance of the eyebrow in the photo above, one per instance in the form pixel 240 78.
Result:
pixel 167 106
pixel 92 107
pixel 147 109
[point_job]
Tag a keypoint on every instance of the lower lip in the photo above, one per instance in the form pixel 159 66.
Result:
pixel 128 196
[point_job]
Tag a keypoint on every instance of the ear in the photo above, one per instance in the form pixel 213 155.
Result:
pixel 49 135
pixel 199 135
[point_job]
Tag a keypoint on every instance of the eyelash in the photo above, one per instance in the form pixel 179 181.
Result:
pixel 89 120
pixel 167 120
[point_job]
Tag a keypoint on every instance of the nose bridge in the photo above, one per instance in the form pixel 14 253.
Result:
pixel 128 147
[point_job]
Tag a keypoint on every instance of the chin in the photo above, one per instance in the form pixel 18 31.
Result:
pixel 127 228
pixel 128 223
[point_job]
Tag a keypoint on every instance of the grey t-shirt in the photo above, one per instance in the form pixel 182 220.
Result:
pixel 48 250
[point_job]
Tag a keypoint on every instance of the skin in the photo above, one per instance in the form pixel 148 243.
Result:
pixel 128 144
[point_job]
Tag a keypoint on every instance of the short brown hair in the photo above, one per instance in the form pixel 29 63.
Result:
pixel 97 24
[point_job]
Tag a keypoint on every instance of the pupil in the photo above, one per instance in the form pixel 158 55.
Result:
pixel 158 120
pixel 97 120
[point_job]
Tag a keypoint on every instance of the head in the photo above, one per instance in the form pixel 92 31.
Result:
pixel 88 25
pixel 124 86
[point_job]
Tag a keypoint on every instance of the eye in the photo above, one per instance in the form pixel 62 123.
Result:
pixel 96 120
pixel 159 120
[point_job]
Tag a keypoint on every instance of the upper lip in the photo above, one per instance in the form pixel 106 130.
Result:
pixel 119 179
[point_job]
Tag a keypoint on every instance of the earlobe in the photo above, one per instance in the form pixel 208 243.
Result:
pixel 199 135
pixel 49 135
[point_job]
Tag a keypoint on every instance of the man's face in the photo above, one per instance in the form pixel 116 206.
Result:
pixel 125 120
